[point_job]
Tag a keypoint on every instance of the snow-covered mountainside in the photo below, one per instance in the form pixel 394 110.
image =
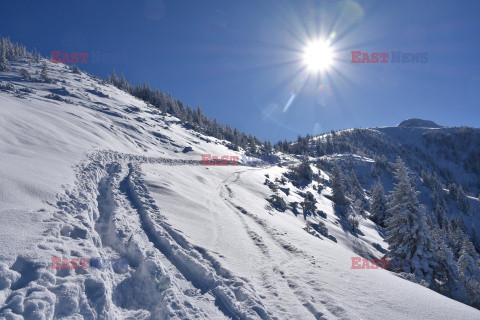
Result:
pixel 400 176
pixel 90 172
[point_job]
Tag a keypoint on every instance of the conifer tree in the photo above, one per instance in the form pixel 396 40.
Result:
pixel 445 271
pixel 353 219
pixel 440 207
pixel 4 64
pixel 469 268
pixel 407 232
pixel 475 239
pixel 463 202
pixel 355 186
pixel 44 72
pixel 455 236
pixel 468 260
pixel 374 171
pixel 303 171
pixel 338 188
pixel 378 206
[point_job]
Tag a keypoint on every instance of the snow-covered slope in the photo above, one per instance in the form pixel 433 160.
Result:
pixel 95 173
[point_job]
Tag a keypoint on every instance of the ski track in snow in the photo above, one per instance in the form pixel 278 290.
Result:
pixel 292 253
pixel 110 214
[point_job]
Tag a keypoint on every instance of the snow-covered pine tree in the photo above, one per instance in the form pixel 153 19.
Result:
pixel 25 74
pixel 469 268
pixel 358 193
pixel 455 236
pixel 469 259
pixel 37 56
pixel 114 77
pixel 303 171
pixel 453 190
pixel 355 187
pixel 407 232
pixel 44 72
pixel 308 207
pixel 374 171
pixel 475 239
pixel 461 224
pixel 463 202
pixel 267 148
pixel 4 64
pixel 378 205
pixel 338 188
pixel 440 207
pixel 445 272
pixel 443 221
pixel 353 220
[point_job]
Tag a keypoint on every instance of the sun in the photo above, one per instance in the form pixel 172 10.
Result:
pixel 317 56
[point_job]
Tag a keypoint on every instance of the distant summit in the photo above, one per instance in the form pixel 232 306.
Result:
pixel 418 123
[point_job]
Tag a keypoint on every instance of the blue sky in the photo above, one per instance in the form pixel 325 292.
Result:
pixel 241 61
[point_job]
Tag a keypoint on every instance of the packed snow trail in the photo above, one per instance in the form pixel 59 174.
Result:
pixel 297 276
pixel 275 253
pixel 110 215
pixel 195 267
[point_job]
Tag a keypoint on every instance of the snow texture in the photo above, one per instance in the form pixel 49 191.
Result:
pixel 100 174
